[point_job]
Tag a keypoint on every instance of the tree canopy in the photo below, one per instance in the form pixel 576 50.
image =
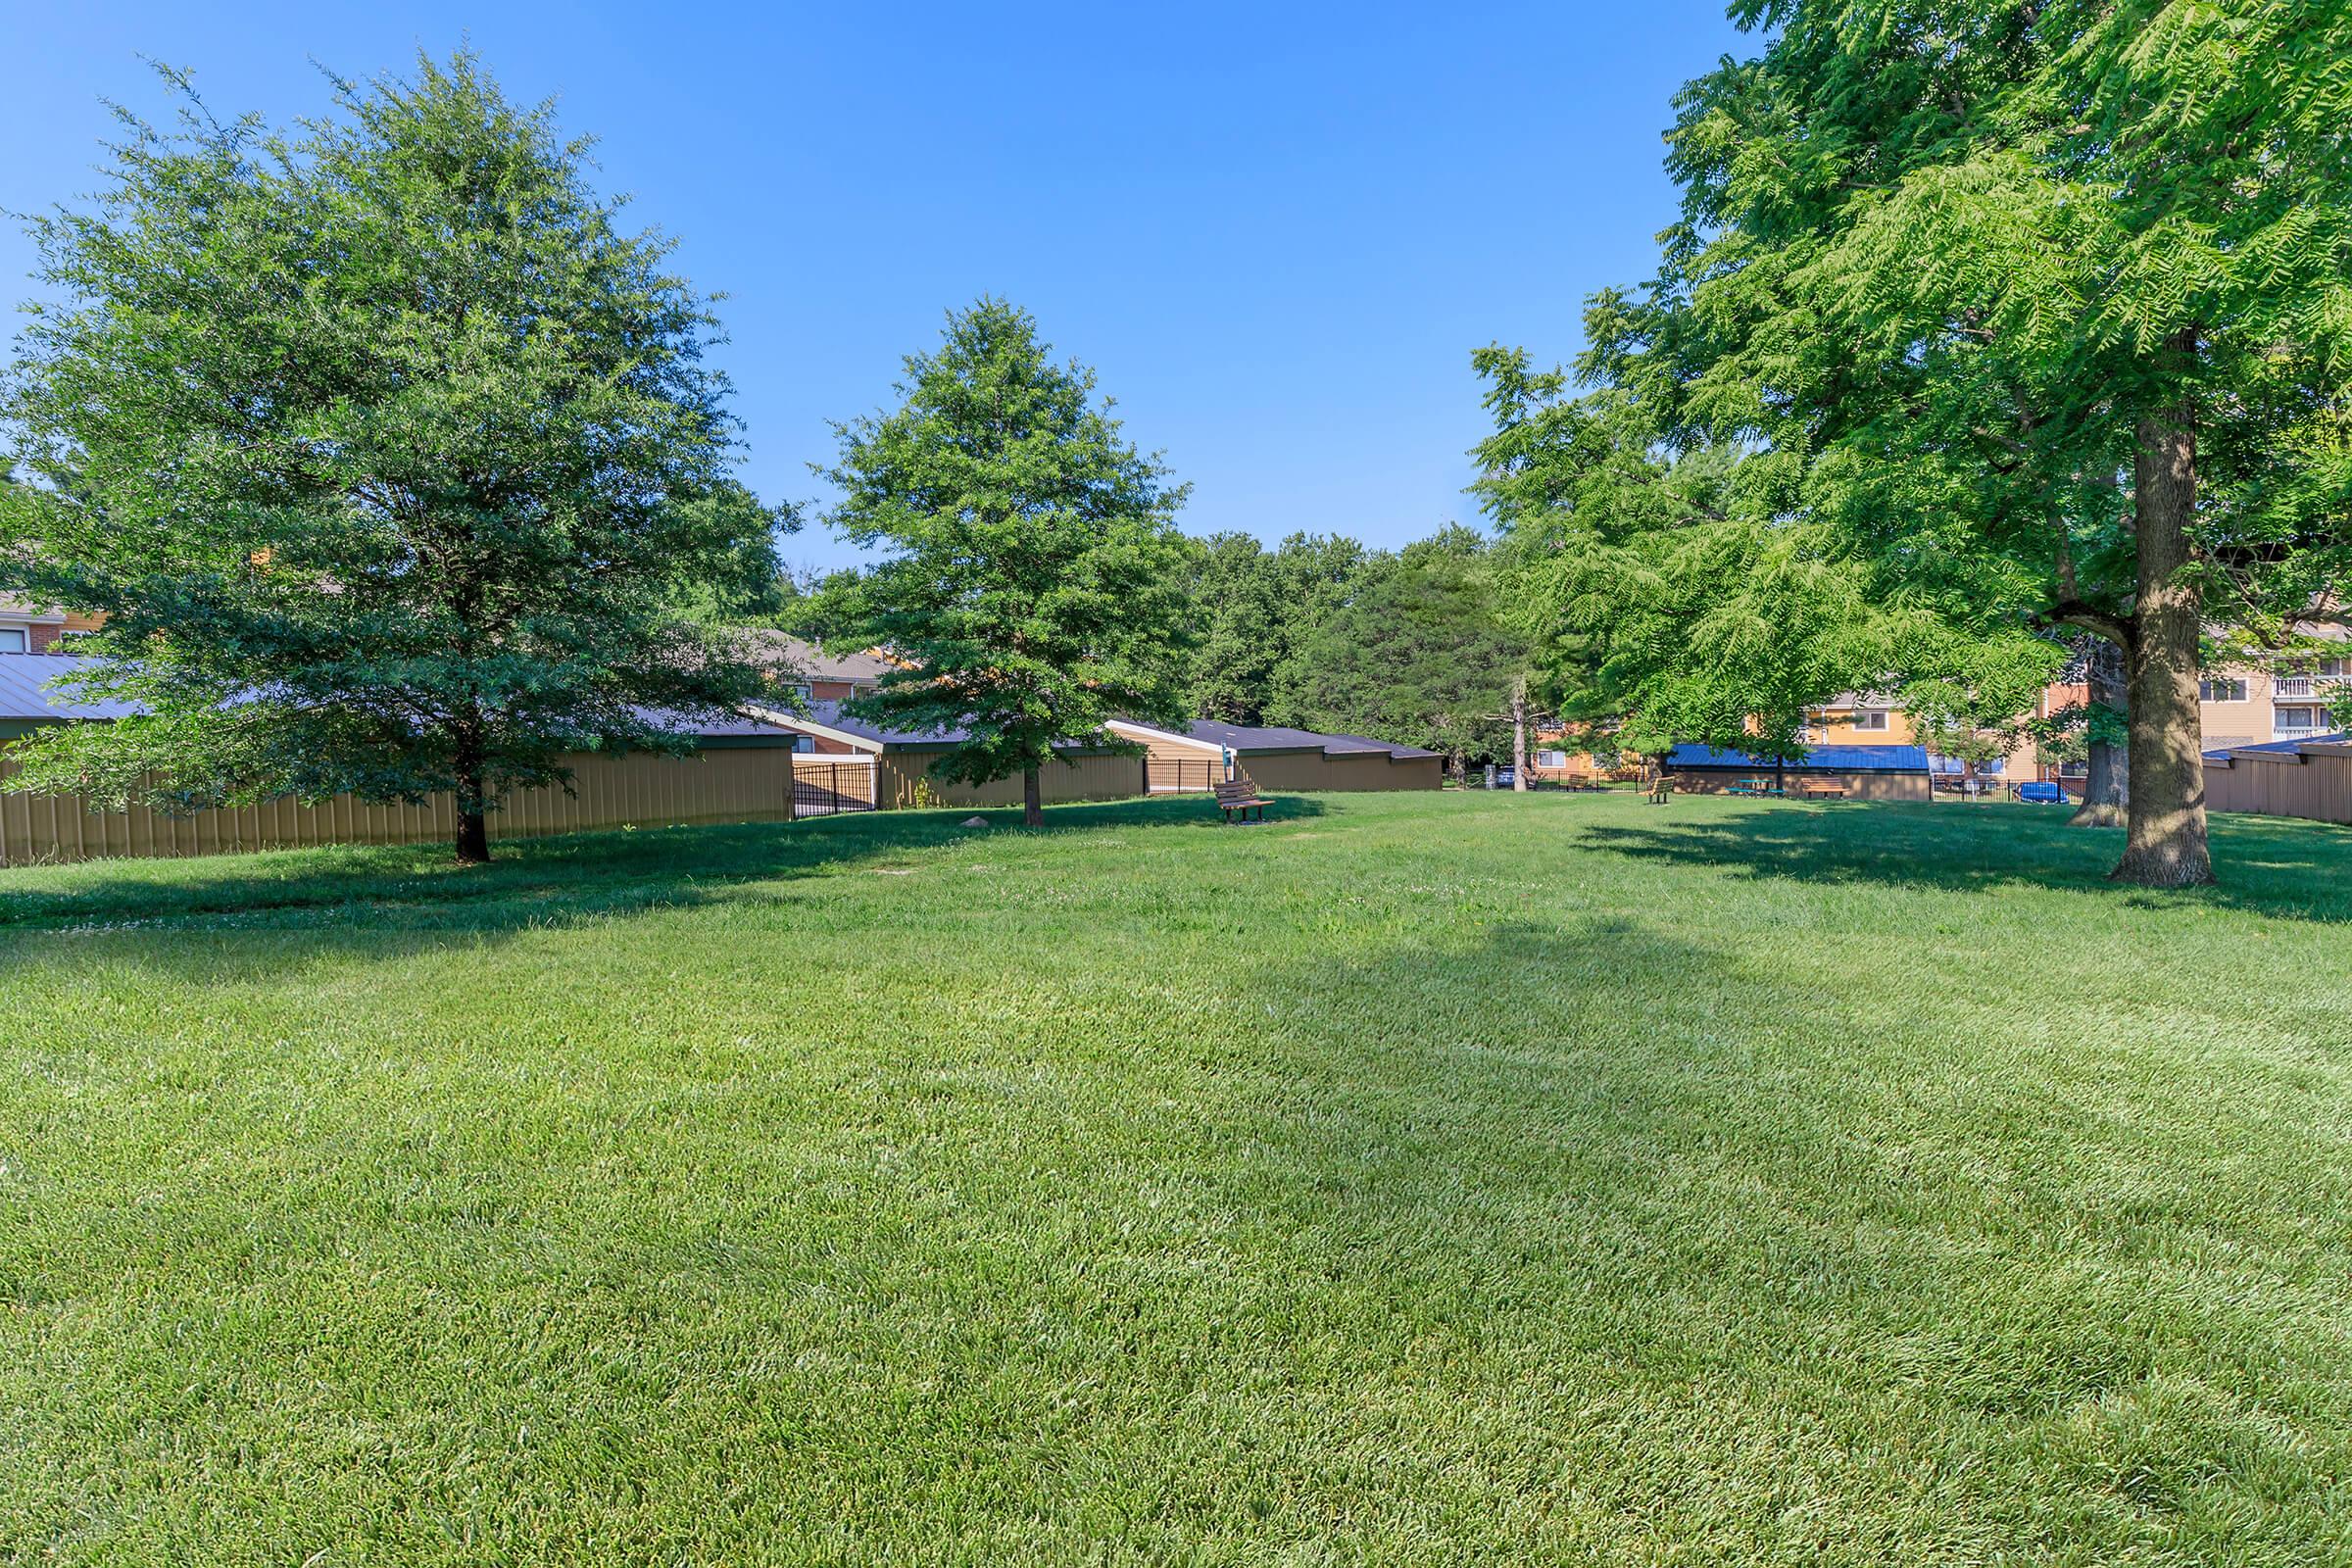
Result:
pixel 2033 316
pixel 383 449
pixel 1417 654
pixel 1032 572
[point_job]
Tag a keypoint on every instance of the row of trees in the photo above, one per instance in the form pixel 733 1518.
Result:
pixel 395 466
pixel 1985 324
pixel 1321 633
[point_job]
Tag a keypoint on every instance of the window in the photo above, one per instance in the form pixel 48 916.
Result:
pixel 2221 691
pixel 803 743
pixel 2302 718
pixel 1552 759
pixel 15 640
pixel 2336 669
pixel 1870 718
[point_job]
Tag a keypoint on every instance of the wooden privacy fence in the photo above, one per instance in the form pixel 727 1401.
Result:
pixel 2310 781
pixel 740 784
pixel 1176 776
pixel 901 781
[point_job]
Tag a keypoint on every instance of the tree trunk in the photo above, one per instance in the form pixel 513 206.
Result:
pixel 1519 734
pixel 474 817
pixel 473 838
pixel 2165 844
pixel 1033 800
pixel 2106 784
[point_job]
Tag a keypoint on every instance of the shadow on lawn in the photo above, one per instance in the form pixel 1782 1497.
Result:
pixel 1669 1157
pixel 2273 866
pixel 536 882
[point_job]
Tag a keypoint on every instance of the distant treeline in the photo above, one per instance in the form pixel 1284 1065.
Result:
pixel 1320 632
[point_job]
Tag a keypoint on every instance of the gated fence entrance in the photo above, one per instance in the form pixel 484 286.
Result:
pixel 827 786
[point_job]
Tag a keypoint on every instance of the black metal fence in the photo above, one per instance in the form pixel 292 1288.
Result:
pixel 828 789
pixel 1163 778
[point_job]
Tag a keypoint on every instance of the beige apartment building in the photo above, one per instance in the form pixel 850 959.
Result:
pixel 2286 700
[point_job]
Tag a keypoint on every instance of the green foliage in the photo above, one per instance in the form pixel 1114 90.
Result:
pixel 1033 573
pixel 383 450
pixel 746 584
pixel 2039 314
pixel 1416 655
pixel 1665 595
pixel 1255 609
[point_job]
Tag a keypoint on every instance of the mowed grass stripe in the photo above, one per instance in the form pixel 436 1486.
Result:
pixel 1414 1179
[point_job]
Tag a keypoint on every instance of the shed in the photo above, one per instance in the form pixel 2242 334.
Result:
pixel 2308 778
pixel 1207 751
pixel 1867 773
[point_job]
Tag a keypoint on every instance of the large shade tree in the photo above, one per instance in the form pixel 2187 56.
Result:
pixel 2052 302
pixel 383 448
pixel 1030 572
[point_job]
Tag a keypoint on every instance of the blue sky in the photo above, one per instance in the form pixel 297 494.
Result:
pixel 1276 231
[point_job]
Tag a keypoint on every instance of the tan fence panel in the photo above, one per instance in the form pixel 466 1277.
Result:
pixel 745 784
pixel 1085 777
pixel 1347 770
pixel 2317 787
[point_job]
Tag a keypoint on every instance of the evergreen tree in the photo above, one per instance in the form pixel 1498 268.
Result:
pixel 382 449
pixel 1034 578
pixel 1417 655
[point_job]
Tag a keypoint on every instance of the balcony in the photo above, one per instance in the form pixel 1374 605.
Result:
pixel 2306 687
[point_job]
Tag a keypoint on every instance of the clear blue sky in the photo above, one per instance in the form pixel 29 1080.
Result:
pixel 1276 231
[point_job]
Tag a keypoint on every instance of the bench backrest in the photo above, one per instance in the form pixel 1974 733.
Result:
pixel 1238 789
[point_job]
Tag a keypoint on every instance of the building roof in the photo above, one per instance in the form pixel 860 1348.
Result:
pixel 2293 748
pixel 809 661
pixel 23 698
pixel 829 714
pixel 1817 758
pixel 1246 739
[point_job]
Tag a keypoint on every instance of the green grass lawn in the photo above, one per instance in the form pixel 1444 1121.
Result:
pixel 1414 1179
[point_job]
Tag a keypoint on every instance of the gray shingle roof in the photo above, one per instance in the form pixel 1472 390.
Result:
pixel 808 661
pixel 23 699
pixel 23 696
pixel 1247 738
pixel 2291 748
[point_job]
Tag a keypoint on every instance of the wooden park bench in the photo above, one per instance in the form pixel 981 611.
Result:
pixel 1823 789
pixel 1238 798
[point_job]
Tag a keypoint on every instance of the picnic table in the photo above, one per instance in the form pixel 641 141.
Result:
pixel 1756 786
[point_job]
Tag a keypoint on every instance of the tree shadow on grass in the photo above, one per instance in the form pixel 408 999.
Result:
pixel 2273 867
pixel 530 882
pixel 1595 1158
